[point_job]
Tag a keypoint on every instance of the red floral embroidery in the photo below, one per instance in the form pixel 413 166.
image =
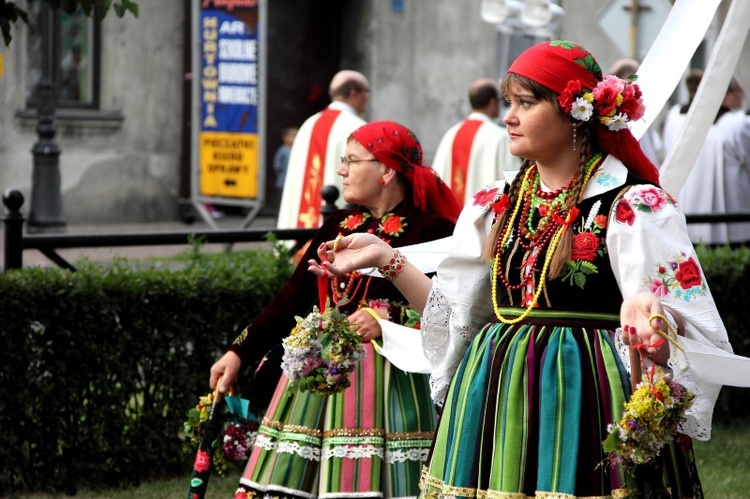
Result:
pixel 353 221
pixel 680 277
pixel 501 204
pixel 392 225
pixel 484 197
pixel 688 274
pixel 202 461
pixel 585 246
pixel 624 213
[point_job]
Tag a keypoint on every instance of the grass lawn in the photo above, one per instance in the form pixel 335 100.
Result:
pixel 723 464
pixel 176 488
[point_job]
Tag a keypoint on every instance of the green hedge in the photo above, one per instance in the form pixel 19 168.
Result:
pixel 728 272
pixel 101 366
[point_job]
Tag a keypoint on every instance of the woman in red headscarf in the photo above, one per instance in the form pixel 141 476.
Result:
pixel 555 283
pixel 370 440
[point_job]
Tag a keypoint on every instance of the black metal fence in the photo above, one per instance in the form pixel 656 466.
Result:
pixel 48 244
pixel 16 242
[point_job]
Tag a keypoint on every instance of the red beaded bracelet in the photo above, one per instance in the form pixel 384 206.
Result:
pixel 394 266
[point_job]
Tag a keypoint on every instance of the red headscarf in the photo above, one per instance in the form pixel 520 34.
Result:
pixel 397 148
pixel 557 63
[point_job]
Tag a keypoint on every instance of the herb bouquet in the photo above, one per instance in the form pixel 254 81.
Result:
pixel 649 423
pixel 321 352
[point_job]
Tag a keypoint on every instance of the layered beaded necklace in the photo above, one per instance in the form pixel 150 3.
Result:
pixel 557 211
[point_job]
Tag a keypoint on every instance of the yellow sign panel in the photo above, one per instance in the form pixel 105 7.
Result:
pixel 229 164
pixel 2 66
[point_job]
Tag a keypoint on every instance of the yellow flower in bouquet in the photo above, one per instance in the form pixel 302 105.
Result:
pixel 649 421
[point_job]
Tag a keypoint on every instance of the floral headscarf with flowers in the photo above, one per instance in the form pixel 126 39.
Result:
pixel 397 148
pixel 571 71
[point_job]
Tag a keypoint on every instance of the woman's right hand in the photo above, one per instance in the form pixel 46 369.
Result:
pixel 353 252
pixel 225 369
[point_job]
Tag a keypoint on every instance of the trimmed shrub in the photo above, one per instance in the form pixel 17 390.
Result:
pixel 101 365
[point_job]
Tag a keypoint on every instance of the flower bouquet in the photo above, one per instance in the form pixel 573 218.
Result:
pixel 649 422
pixel 321 352
pixel 236 434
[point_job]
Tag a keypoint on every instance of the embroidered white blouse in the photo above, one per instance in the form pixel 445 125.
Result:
pixel 644 254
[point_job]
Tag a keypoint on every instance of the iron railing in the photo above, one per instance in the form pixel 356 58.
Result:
pixel 16 242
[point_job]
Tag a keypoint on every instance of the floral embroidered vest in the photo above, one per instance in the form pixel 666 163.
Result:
pixel 586 283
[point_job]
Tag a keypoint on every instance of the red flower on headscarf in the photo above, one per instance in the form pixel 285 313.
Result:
pixel 632 104
pixel 605 100
pixel 624 213
pixel 568 96
pixel 688 274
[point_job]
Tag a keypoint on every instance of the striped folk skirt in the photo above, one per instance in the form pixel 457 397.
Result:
pixel 371 440
pixel 527 412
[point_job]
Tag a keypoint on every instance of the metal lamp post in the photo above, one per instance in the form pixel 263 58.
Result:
pixel 46 213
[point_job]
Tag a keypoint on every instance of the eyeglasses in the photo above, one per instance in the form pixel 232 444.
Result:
pixel 347 162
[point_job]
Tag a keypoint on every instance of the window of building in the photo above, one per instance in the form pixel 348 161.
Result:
pixel 65 48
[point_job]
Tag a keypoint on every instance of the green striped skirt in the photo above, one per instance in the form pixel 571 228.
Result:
pixel 527 412
pixel 368 441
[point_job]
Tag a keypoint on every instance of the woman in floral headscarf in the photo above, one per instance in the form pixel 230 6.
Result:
pixel 556 282
pixel 371 439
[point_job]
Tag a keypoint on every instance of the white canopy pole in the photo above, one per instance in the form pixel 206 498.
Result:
pixel 662 68
pixel 708 99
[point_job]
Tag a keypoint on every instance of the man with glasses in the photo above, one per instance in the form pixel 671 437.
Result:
pixel 317 150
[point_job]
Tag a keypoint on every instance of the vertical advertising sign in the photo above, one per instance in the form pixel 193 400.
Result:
pixel 228 140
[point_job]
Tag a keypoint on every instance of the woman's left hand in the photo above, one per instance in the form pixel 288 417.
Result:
pixel 368 328
pixel 352 252
pixel 638 331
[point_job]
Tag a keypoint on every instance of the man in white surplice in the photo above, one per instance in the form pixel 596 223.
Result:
pixel 705 190
pixel 475 152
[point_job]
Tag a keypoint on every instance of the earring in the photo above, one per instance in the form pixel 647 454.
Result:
pixel 574 137
pixel 382 181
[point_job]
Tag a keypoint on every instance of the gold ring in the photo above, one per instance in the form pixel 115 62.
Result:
pixel 336 243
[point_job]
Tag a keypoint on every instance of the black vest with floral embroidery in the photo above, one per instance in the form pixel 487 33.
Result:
pixel 586 283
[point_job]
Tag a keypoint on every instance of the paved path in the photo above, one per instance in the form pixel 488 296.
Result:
pixel 35 258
